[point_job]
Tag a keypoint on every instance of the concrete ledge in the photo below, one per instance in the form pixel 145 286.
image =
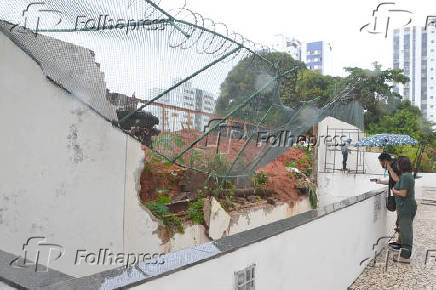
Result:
pixel 121 278
pixel 27 277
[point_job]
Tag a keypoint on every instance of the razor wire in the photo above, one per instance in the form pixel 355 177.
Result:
pixel 168 67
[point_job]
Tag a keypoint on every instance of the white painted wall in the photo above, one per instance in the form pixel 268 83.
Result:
pixel 71 177
pixel 334 187
pixel 323 254
pixel 257 217
pixel 66 173
pixel 425 182
pixel 370 163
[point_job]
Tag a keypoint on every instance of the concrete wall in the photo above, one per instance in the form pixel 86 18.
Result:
pixel 333 154
pixel 424 183
pixel 325 253
pixel 67 174
pixel 267 214
pixel 336 185
pixel 71 177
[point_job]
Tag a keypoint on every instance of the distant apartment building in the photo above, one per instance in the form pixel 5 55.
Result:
pixel 318 57
pixel 292 46
pixel 414 51
pixel 185 97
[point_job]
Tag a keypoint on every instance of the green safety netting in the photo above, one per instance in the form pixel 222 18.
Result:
pixel 196 93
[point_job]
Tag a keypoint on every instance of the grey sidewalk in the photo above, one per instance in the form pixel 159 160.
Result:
pixel 421 273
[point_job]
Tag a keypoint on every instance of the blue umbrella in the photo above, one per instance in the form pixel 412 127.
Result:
pixel 382 140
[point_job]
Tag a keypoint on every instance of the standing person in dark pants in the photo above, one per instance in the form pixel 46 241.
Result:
pixel 404 192
pixel 345 150
pixel 390 165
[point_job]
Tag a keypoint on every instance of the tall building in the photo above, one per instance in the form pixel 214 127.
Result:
pixel 186 97
pixel 204 102
pixel 292 46
pixel 414 51
pixel 318 57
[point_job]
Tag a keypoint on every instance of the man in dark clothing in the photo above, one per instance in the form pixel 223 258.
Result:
pixel 345 150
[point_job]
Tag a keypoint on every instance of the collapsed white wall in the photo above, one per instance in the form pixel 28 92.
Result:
pixel 66 173
pixel 69 176
pixel 326 253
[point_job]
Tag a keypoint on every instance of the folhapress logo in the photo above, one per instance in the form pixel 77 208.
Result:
pixel 38 254
pixel 36 17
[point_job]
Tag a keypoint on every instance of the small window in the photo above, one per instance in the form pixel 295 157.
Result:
pixel 244 279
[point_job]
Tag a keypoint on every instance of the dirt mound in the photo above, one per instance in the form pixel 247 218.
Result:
pixel 228 147
pixel 279 180
pixel 176 181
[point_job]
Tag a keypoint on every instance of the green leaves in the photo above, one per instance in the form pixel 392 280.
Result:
pixel 313 198
pixel 160 210
pixel 252 73
pixel 292 164
pixel 260 180
pixel 195 212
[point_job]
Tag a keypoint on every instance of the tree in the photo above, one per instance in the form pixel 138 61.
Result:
pixel 373 88
pixel 315 88
pixel 249 75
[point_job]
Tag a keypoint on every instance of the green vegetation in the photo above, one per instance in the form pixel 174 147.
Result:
pixel 159 209
pixel 260 180
pixel 313 198
pixel 292 164
pixel 195 212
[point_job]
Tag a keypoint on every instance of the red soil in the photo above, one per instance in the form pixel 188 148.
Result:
pixel 160 176
pixel 280 181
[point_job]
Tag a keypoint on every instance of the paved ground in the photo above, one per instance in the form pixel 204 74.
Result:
pixel 421 273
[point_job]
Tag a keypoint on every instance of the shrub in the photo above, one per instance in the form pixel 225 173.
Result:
pixel 161 211
pixel 313 198
pixel 260 180
pixel 195 212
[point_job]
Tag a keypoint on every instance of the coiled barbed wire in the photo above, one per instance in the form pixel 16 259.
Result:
pixel 186 29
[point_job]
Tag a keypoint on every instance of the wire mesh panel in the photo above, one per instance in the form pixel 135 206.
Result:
pixel 189 89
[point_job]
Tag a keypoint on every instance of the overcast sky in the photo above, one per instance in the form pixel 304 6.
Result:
pixel 335 21
pixel 138 64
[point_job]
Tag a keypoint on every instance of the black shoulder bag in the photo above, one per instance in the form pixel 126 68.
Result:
pixel 390 201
